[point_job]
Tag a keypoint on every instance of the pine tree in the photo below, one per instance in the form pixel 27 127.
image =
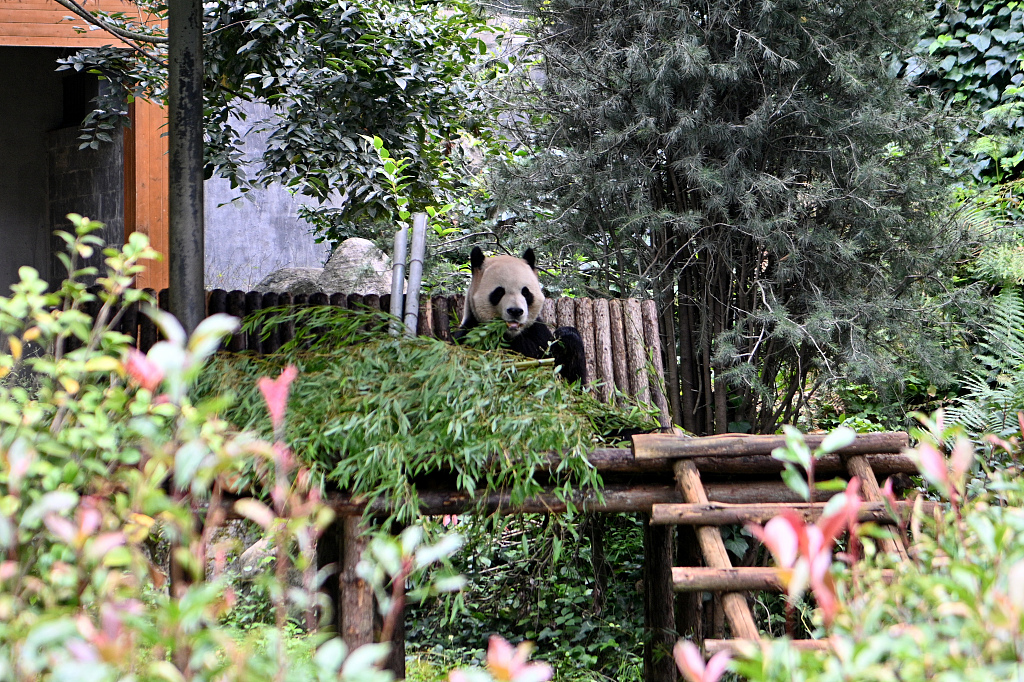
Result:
pixel 762 169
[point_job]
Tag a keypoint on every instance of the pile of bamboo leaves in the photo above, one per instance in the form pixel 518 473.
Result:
pixel 370 412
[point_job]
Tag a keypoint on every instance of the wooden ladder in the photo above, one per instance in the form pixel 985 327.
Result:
pixel 719 575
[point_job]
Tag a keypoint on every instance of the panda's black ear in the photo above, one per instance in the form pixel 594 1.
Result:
pixel 476 258
pixel 530 258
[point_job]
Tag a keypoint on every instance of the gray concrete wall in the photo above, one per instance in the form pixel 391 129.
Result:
pixel 30 106
pixel 247 239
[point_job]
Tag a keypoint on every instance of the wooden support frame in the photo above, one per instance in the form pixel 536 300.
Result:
pixel 741 620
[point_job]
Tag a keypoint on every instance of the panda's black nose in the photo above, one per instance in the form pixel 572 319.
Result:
pixel 514 313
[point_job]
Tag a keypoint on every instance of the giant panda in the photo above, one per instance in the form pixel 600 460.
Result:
pixel 507 287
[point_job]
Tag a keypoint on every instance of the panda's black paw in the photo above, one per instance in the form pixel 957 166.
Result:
pixel 568 351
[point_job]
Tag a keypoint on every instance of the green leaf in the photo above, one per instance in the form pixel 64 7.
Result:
pixel 837 440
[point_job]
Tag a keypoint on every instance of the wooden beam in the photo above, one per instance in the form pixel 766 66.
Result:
pixel 860 467
pixel 622 460
pixel 745 646
pixel 694 579
pixel 760 578
pixel 659 445
pixel 719 514
pixel 617 498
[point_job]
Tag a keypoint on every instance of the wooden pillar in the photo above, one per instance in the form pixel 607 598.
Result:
pixel 355 603
pixel 328 552
pixel 689 605
pixel 185 161
pixel 659 604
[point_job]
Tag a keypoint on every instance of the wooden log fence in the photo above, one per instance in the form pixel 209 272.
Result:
pixel 623 348
pixel 717 483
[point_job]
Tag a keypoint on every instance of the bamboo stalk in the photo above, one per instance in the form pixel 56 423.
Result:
pixel 398 277
pixel 523 364
pixel 658 445
pixel 416 256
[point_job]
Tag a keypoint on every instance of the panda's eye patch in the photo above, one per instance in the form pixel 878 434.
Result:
pixel 528 295
pixel 497 295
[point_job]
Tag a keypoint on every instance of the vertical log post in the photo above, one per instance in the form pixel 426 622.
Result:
pixel 269 344
pixel 565 312
pixel 253 302
pixel 425 317
pixel 689 605
pixel 636 358
pixel 659 604
pixel 236 307
pixel 442 322
pixel 603 350
pixel 585 326
pixel 286 331
pixel 619 351
pixel 458 304
pixel 547 312
pixel 185 161
pixel 649 314
pixel 355 610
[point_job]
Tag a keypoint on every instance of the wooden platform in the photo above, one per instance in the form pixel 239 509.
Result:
pixel 718 481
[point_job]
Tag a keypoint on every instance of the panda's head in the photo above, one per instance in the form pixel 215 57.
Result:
pixel 504 287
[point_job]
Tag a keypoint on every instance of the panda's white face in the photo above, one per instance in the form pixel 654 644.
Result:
pixel 505 287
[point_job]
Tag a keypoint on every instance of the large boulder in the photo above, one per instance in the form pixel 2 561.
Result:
pixel 357 266
pixel 292 280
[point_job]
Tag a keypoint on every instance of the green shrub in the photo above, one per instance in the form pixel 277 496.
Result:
pixel 955 610
pixel 101 448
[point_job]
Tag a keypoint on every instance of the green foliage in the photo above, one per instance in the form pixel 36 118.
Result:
pixel 954 611
pixel 371 412
pixel 975 48
pixel 758 169
pixel 101 448
pixel 994 394
pixel 574 588
pixel 332 74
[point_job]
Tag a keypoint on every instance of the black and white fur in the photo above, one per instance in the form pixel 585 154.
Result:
pixel 507 287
